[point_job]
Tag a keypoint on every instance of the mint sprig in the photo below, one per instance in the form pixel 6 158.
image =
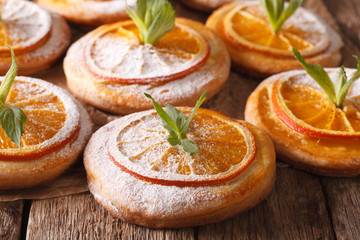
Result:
pixel 336 93
pixel 277 13
pixel 12 119
pixel 154 18
pixel 177 125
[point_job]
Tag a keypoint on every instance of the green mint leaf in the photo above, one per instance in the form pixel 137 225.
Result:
pixel 154 18
pixel 273 10
pixel 174 141
pixel 164 116
pixel 340 81
pixel 9 78
pixel 189 146
pixel 12 120
pixel 177 116
pixel 345 88
pixel 137 14
pixel 169 129
pixel 177 125
pixel 277 13
pixel 185 127
pixel 288 12
pixel 318 73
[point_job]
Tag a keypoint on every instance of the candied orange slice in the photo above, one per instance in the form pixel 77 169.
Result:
pixel 226 148
pixel 248 26
pixel 115 53
pixel 307 109
pixel 53 120
pixel 23 26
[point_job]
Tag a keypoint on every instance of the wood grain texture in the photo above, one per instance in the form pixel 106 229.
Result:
pixel 343 200
pixel 343 196
pixel 347 13
pixel 80 217
pixel 301 205
pixel 295 209
pixel 320 8
pixel 10 219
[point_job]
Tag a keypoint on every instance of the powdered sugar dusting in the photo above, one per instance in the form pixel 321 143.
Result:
pixel 300 77
pixel 112 55
pixel 103 7
pixel 25 23
pixel 120 191
pixel 140 195
pixel 66 155
pixel 140 145
pixel 214 72
pixel 38 92
pixel 302 25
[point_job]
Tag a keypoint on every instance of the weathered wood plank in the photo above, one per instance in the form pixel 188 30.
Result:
pixel 347 15
pixel 295 209
pixel 343 196
pixel 10 219
pixel 343 201
pixel 80 217
pixel 320 8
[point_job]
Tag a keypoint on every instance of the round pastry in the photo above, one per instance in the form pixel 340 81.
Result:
pixel 307 129
pixel 37 37
pixel 256 50
pixel 55 134
pixel 89 12
pixel 205 5
pixel 110 69
pixel 140 178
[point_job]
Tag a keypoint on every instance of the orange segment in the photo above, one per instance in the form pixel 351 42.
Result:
pixel 23 26
pixel 248 26
pixel 53 120
pixel 306 109
pixel 226 148
pixel 114 52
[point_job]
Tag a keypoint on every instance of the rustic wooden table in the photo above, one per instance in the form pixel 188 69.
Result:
pixel 300 206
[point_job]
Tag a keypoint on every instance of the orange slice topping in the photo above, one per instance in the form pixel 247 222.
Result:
pixel 23 26
pixel 115 53
pixel 248 26
pixel 53 120
pixel 305 108
pixel 226 148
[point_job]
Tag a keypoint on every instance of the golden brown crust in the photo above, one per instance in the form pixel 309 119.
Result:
pixel 260 64
pixel 92 13
pixel 153 205
pixel 43 56
pixel 23 174
pixel 205 5
pixel 329 157
pixel 127 98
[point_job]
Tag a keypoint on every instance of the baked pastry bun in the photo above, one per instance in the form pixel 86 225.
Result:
pixel 110 69
pixel 55 134
pixel 307 129
pixel 257 51
pixel 205 5
pixel 37 37
pixel 140 178
pixel 89 12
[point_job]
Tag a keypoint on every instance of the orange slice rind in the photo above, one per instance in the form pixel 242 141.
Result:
pixel 248 26
pixel 53 120
pixel 305 108
pixel 23 26
pixel 140 148
pixel 114 52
